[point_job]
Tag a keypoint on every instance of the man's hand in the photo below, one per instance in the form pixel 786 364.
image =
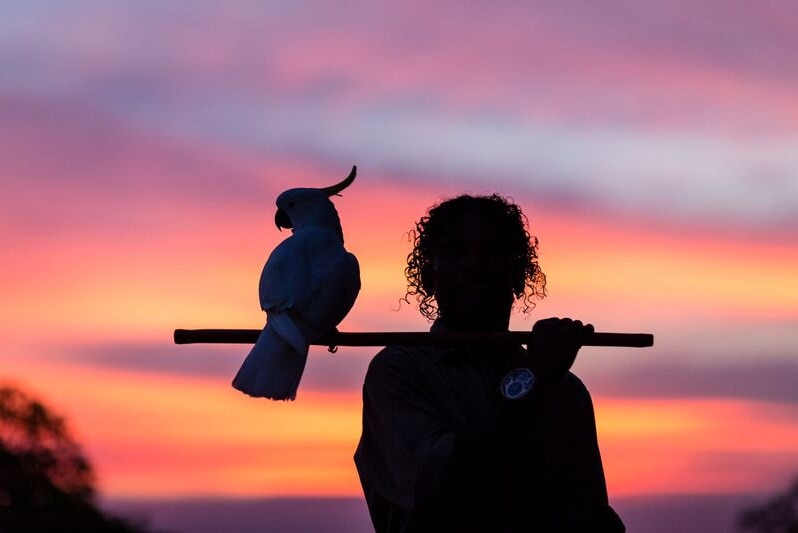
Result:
pixel 554 346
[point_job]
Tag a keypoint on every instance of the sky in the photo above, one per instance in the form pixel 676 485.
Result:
pixel 653 147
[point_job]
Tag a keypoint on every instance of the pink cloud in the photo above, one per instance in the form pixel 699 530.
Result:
pixel 664 65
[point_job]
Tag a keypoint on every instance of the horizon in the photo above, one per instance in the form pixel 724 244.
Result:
pixel 658 514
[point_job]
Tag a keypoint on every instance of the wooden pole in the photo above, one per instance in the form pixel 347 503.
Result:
pixel 409 338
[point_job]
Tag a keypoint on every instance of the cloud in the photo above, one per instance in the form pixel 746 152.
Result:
pixel 342 371
pixel 760 379
pixel 767 379
pixel 528 57
pixel 600 105
pixel 199 361
pixel 75 172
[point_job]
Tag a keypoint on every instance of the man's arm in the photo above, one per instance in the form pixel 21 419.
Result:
pixel 407 445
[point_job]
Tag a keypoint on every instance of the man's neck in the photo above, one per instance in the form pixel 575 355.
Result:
pixel 476 324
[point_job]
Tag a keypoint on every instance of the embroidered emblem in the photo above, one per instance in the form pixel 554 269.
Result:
pixel 517 383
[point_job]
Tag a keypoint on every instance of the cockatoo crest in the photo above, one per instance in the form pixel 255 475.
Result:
pixel 311 208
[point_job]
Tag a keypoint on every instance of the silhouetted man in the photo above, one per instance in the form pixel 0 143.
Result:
pixel 489 438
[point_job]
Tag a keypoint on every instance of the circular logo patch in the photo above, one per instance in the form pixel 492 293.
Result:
pixel 517 383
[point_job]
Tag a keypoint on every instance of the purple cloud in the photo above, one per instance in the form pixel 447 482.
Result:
pixel 342 371
pixel 677 110
pixel 764 379
pixel 769 379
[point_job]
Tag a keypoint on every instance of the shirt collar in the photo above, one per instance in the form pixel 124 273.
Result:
pixel 440 352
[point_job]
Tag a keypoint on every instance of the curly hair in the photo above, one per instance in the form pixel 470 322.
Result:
pixel 432 230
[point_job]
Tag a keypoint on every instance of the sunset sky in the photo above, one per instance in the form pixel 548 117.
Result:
pixel 652 145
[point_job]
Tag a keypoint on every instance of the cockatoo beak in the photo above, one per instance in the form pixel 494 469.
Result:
pixel 337 188
pixel 282 220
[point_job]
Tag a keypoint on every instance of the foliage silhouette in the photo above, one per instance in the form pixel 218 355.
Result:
pixel 779 515
pixel 46 483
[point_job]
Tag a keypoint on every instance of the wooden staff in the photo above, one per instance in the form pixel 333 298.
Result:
pixel 409 338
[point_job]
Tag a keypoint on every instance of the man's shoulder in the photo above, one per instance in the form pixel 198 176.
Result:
pixel 405 360
pixel 571 387
pixel 398 354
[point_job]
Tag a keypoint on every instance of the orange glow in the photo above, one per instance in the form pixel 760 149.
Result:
pixel 165 436
pixel 678 446
pixel 595 259
pixel 177 436
pixel 208 276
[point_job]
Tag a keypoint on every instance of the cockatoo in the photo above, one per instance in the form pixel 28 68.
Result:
pixel 308 285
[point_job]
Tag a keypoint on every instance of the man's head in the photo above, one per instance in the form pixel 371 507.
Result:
pixel 472 257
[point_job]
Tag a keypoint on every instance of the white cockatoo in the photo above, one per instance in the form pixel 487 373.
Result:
pixel 308 285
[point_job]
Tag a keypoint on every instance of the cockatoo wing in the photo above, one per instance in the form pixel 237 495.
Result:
pixel 285 279
pixel 338 283
pixel 285 289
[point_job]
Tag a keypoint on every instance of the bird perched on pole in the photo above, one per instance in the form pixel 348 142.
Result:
pixel 308 285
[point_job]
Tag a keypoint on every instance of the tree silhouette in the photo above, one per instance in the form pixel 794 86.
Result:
pixel 779 515
pixel 46 483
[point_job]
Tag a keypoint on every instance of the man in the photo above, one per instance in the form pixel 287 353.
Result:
pixel 489 438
